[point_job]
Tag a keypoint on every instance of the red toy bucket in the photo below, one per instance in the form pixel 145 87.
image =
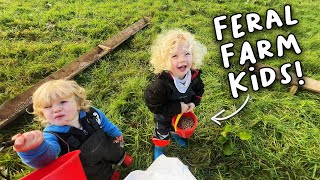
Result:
pixel 65 167
pixel 185 133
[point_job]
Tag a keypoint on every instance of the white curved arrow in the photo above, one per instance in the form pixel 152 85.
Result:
pixel 216 119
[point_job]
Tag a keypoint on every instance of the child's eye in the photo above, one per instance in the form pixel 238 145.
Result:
pixel 188 53
pixel 62 102
pixel 47 107
pixel 174 56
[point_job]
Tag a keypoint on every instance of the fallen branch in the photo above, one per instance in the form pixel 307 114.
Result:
pixel 13 108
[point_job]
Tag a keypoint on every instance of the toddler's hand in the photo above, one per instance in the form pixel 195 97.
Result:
pixel 184 107
pixel 119 139
pixel 191 106
pixel 27 141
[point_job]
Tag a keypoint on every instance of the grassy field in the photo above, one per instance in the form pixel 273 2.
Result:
pixel 276 136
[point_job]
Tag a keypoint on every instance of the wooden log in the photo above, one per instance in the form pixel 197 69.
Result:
pixel 13 108
pixel 310 84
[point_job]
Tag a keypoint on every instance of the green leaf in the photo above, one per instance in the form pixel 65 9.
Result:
pixel 228 149
pixel 228 128
pixel 222 140
pixel 224 133
pixel 245 136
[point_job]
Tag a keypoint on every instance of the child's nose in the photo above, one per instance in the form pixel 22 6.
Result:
pixel 182 59
pixel 56 108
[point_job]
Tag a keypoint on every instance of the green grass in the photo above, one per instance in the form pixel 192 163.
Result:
pixel 276 136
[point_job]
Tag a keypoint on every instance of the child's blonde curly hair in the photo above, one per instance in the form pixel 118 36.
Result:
pixel 54 90
pixel 167 42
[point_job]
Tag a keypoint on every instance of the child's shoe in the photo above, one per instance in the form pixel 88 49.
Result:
pixel 179 140
pixel 128 160
pixel 157 151
pixel 115 175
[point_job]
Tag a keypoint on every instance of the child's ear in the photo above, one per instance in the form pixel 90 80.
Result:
pixel 78 101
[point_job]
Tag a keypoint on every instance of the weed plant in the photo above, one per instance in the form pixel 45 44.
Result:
pixel 276 136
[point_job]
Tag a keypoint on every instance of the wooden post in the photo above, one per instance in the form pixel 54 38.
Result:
pixel 13 108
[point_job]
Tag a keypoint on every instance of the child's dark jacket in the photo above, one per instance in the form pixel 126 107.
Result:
pixel 50 147
pixel 162 97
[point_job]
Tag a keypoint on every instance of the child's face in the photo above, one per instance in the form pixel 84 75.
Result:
pixel 181 60
pixel 62 112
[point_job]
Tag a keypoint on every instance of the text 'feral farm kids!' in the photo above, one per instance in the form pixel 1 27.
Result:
pixel 267 75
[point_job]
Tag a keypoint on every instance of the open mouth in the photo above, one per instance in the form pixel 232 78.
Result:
pixel 182 68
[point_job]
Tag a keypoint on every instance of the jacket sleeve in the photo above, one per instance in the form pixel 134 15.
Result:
pixel 198 88
pixel 156 98
pixel 108 126
pixel 43 154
